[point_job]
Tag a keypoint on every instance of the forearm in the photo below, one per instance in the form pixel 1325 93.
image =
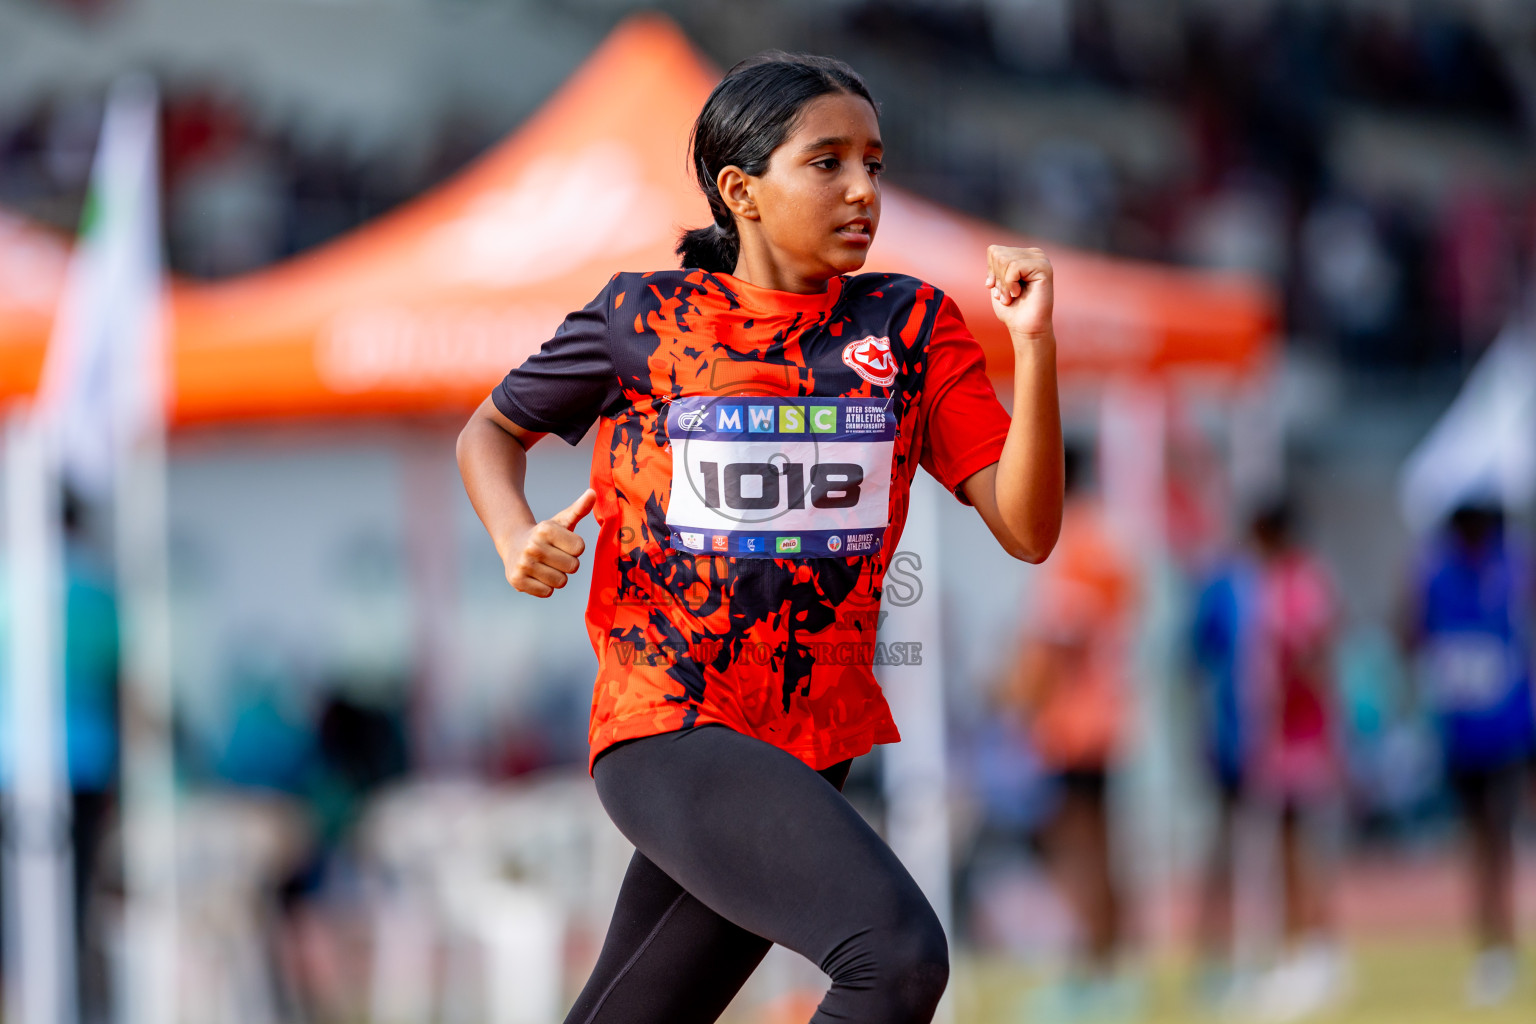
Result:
pixel 1029 481
pixel 494 465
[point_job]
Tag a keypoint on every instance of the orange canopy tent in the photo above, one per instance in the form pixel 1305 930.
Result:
pixel 33 262
pixel 422 310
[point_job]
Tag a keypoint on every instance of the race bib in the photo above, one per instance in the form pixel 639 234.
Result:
pixel 780 477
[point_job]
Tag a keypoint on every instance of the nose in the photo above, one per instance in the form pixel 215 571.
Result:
pixel 863 189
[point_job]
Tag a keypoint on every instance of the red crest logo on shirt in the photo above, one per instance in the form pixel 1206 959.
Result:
pixel 871 359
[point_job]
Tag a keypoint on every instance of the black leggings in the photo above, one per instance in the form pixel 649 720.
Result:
pixel 740 845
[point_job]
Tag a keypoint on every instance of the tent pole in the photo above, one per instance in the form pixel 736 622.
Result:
pixel 428 484
pixel 149 823
pixel 1133 418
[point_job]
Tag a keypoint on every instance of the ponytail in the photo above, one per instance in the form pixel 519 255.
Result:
pixel 747 116
pixel 714 249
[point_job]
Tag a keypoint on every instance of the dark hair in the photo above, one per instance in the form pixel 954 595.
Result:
pixel 1274 522
pixel 749 115
pixel 1476 522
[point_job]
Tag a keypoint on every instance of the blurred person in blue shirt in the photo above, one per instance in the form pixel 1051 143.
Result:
pixel 1473 600
pixel 1262 645
pixel 92 745
pixel 91 656
pixel 1220 647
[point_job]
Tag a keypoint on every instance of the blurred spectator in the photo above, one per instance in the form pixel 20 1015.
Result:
pixel 319 764
pixel 1471 628
pixel 91 661
pixel 998 859
pixel 1068 189
pixel 1222 651
pixel 1243 126
pixel 1031 34
pixel 1072 688
pixel 1476 273
pixel 1352 278
pixel 1263 636
pixel 1392 755
pixel 1296 764
pixel 270 741
pixel 361 747
pixel 1241 227
pixel 227 217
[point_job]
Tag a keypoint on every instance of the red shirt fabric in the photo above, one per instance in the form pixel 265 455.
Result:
pixel 753 460
pixel 1297 757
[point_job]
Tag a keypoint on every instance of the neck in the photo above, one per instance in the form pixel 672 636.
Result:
pixel 757 264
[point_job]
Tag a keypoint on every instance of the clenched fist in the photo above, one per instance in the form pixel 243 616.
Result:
pixel 1021 284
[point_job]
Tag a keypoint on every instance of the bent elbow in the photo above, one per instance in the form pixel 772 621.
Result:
pixel 1036 549
pixel 1034 556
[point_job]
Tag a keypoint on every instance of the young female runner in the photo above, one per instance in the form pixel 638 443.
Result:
pixel 761 415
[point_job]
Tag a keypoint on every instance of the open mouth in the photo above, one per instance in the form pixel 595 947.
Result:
pixel 855 231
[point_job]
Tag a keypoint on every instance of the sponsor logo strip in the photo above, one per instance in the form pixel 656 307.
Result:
pixel 777 544
pixel 706 418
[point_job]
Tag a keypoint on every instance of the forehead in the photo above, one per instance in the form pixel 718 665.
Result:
pixel 836 115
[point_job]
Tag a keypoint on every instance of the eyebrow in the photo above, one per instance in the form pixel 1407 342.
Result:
pixel 839 140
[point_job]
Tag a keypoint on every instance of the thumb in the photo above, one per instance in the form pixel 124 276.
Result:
pixel 573 513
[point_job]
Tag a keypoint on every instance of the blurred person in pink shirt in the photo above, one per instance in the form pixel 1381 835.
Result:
pixel 1294 760
pixel 1071 684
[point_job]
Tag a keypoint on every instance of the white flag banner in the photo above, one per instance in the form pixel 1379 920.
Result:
pixel 104 371
pixel 1484 446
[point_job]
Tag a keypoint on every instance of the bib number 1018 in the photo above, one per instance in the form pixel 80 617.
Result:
pixel 750 486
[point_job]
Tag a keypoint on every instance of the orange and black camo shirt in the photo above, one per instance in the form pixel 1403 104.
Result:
pixel 752 464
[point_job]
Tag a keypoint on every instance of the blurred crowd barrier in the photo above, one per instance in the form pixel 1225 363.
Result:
pixel 453 901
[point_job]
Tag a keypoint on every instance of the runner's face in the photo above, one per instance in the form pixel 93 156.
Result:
pixel 819 200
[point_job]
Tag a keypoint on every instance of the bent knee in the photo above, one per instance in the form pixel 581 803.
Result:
pixel 920 943
pixel 918 989
pixel 902 967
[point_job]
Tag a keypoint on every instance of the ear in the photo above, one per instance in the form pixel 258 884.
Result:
pixel 736 189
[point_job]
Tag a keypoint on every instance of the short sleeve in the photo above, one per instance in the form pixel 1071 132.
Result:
pixel 564 387
pixel 966 424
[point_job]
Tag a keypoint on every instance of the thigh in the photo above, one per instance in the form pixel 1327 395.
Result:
pixel 759 838
pixel 667 958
